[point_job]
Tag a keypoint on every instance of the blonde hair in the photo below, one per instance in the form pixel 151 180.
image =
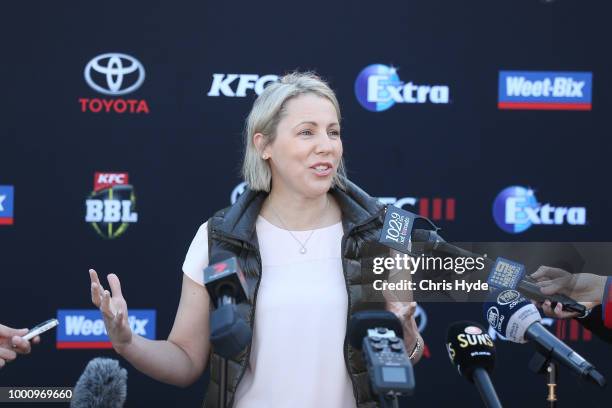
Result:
pixel 267 112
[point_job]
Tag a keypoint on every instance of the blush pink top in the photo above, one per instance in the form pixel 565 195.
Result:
pixel 297 357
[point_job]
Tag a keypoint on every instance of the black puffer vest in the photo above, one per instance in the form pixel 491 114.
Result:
pixel 233 229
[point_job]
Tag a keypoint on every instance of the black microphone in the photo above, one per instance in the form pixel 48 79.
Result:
pixel 379 334
pixel 103 384
pixel 513 317
pixel 224 280
pixel 503 273
pixel 226 285
pixel 472 351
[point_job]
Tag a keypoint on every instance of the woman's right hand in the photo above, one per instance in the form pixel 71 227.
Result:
pixel 114 309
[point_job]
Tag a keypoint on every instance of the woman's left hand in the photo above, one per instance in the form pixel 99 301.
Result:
pixel 405 313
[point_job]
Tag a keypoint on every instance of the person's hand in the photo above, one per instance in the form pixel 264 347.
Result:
pixel 586 288
pixel 405 313
pixel 114 309
pixel 12 344
pixel 557 312
pixel 582 287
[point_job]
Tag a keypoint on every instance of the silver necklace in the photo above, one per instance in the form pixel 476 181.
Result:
pixel 301 244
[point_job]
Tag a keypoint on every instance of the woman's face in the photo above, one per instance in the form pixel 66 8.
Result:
pixel 307 150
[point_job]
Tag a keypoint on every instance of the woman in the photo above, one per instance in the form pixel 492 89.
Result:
pixel 298 232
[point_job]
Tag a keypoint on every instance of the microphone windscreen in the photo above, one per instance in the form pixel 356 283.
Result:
pixel 469 347
pixel 229 332
pixel 510 314
pixel 103 384
pixel 370 319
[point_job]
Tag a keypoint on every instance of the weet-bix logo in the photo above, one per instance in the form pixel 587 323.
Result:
pixel 84 328
pixel 7 195
pixel 545 90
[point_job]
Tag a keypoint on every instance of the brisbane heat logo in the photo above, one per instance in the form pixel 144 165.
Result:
pixel 516 209
pixel 114 75
pixel 110 208
pixel 378 87
pixel 436 209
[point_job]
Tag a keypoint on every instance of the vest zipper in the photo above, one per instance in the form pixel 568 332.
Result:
pixel 252 324
pixel 348 316
pixel 353 229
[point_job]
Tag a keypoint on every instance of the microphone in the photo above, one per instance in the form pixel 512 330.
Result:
pixel 226 285
pixel 379 334
pixel 513 317
pixel 103 384
pixel 472 351
pixel 224 280
pixel 504 273
pixel 507 274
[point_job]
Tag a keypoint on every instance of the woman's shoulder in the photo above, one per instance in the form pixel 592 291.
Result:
pixel 197 254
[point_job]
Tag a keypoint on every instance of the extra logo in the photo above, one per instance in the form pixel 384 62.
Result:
pixel 7 197
pixel 84 328
pixel 545 90
pixel 378 88
pixel 436 209
pixel 516 209
pixel 237 85
pixel 110 208
pixel 114 74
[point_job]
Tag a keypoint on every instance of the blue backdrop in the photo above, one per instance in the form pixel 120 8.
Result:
pixel 445 106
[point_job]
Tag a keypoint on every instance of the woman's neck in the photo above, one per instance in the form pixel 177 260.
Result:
pixel 296 213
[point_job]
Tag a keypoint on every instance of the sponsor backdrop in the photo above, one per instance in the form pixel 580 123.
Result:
pixel 120 135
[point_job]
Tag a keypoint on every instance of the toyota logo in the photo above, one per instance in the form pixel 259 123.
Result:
pixel 115 73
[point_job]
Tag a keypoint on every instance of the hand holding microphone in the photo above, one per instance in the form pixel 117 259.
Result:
pixel 114 309
pixel 587 288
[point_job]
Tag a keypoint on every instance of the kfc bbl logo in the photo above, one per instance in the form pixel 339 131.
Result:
pixel 111 206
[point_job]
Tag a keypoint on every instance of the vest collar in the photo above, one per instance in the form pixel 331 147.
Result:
pixel 357 207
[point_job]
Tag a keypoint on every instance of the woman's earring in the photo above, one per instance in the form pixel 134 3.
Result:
pixel 264 156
